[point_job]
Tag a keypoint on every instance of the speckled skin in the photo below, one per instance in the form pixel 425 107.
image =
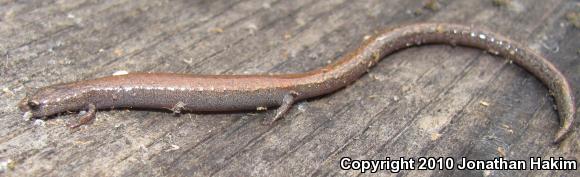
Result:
pixel 248 92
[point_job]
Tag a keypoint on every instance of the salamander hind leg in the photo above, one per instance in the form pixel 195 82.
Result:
pixel 86 118
pixel 287 103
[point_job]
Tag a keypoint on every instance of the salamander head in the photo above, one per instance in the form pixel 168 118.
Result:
pixel 51 100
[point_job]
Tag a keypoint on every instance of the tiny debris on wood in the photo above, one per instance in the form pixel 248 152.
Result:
pixel 501 3
pixel 484 103
pixel 501 151
pixel 216 30
pixel 573 18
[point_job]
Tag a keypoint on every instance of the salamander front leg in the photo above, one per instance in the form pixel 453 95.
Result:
pixel 287 103
pixel 86 118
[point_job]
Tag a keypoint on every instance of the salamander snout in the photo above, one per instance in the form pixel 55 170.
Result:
pixel 36 107
pixel 49 101
pixel 28 105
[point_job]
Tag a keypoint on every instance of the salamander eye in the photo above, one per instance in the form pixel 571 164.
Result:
pixel 33 104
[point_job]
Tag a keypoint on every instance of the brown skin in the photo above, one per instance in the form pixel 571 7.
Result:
pixel 248 92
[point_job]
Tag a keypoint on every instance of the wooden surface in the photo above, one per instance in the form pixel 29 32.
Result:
pixel 424 101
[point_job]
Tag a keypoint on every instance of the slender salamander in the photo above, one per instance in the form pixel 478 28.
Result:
pixel 181 92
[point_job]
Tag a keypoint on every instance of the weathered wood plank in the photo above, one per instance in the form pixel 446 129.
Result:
pixel 424 101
